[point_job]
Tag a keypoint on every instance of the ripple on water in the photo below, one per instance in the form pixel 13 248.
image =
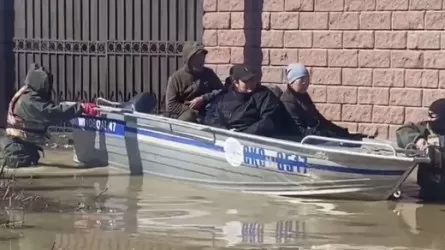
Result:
pixel 166 214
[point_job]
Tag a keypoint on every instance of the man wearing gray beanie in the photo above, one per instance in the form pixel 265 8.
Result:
pixel 303 110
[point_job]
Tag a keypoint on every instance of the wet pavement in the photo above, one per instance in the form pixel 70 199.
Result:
pixel 97 209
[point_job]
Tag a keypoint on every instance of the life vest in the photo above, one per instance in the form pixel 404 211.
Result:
pixel 16 126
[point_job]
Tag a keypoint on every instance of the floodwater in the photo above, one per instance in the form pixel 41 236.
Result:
pixel 101 209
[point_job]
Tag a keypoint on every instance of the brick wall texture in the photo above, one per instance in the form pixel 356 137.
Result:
pixel 374 64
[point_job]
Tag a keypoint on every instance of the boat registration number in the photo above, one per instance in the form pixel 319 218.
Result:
pixel 258 158
pixel 99 125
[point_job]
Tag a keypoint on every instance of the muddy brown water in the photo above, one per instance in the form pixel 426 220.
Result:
pixel 95 209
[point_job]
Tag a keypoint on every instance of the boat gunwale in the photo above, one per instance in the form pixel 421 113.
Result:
pixel 259 139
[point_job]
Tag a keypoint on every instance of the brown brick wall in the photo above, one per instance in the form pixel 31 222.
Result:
pixel 375 64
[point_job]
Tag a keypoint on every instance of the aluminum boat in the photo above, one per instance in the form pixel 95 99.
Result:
pixel 131 137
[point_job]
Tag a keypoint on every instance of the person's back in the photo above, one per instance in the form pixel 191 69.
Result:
pixel 248 107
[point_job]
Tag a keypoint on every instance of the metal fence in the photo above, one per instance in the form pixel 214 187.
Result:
pixel 107 48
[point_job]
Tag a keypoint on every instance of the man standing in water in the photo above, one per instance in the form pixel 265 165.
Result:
pixel 428 136
pixel 192 86
pixel 30 112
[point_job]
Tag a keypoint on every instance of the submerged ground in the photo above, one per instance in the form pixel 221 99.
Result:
pixel 103 208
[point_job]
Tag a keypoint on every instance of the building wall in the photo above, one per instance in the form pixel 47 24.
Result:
pixel 375 64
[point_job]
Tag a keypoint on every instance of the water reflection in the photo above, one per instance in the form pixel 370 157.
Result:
pixel 142 213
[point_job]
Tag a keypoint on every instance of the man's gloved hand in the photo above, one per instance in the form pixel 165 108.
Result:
pixel 89 109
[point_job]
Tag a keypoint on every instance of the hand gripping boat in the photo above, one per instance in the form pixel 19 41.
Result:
pixel 128 136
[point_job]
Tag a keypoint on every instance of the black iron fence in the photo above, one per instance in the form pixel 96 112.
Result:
pixel 108 48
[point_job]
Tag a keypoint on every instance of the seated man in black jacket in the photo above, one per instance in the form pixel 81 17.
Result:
pixel 303 111
pixel 249 107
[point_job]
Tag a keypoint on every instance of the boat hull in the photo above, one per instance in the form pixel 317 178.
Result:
pixel 175 150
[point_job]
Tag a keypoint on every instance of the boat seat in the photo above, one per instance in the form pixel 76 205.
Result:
pixel 143 103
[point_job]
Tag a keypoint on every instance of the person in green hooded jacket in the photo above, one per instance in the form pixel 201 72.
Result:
pixel 30 112
pixel 192 86
pixel 429 135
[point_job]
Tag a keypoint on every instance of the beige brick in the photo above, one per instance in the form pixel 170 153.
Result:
pixel 213 20
pixel 343 20
pixel 435 20
pixel 342 58
pixel 210 38
pixel 329 5
pixel 357 77
pixel 374 58
pixel 314 21
pixel 318 93
pixel 237 21
pixel 298 39
pixel 405 97
pixel 359 5
pixel 388 78
pixel 442 40
pixel 284 20
pixel 392 4
pixel 299 5
pixel 209 5
pixel 273 5
pixel 237 55
pixel 265 21
pixel 358 39
pixel 356 113
pixel 326 76
pixel 272 74
pixel 272 39
pixel 442 79
pixel 373 95
pixel 231 38
pixel 372 129
pixel 430 95
pixel 434 59
pixel 407 59
pixel 388 115
pixel 341 94
pixel 425 4
pixel 283 56
pixel 408 20
pixel 313 57
pixel 416 114
pixel 390 39
pixel 423 40
pixel 375 20
pixel 392 131
pixel 230 5
pixel 327 39
pixel 332 112
pixel 218 55
pixel 422 78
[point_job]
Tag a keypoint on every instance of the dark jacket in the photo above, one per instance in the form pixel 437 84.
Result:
pixel 307 118
pixel 183 85
pixel 31 110
pixel 259 113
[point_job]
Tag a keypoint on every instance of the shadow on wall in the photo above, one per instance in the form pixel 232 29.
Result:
pixel 7 62
pixel 253 24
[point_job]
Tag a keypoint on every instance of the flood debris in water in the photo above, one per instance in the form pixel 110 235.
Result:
pixel 14 202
